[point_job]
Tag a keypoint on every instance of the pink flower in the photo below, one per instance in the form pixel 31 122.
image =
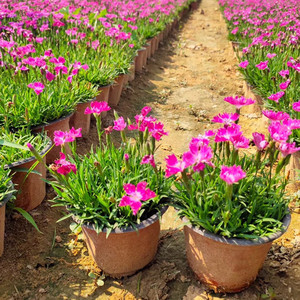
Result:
pixel 64 167
pixel 199 156
pixel 148 159
pixel 157 130
pixel 291 124
pixel 232 174
pixel 276 97
pixel 287 148
pixel 227 133
pixel 271 55
pixel 131 45
pixel 296 106
pixel 60 138
pixel 225 118
pixel 279 133
pixel 126 156
pixel 145 110
pixel 262 65
pixel 119 124
pixel 174 166
pixel 136 195
pixel 239 102
pixel 284 85
pixel 235 30
pixel 50 76
pixel 97 108
pixel 259 140
pixel 38 87
pixel 275 116
pixel 239 142
pixel 244 64
pixel 284 73
pixel 74 133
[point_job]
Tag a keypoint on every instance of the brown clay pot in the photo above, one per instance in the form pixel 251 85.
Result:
pixel 140 59
pixel 116 91
pixel 153 45
pixel 60 124
pixel 81 120
pixel 32 190
pixel 194 5
pixel 103 96
pixel 2 219
pixel 126 80
pixel 124 251
pixel 293 168
pixel 131 74
pixel 227 265
pixel 249 92
pixel 148 49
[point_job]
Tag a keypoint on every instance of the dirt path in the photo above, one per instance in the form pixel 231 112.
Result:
pixel 185 84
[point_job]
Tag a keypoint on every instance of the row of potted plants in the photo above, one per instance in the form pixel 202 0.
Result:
pixel 67 90
pixel 266 38
pixel 233 204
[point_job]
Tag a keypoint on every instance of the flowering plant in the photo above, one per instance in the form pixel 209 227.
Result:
pixel 231 191
pixel 112 186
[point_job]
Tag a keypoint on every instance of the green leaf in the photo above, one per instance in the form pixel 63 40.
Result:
pixel 12 145
pixel 28 217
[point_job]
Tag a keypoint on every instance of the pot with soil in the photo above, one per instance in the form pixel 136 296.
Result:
pixel 227 264
pixel 6 193
pixel 140 60
pixel 131 74
pixel 124 251
pixel 116 91
pixel 31 188
pixel 81 120
pixel 62 124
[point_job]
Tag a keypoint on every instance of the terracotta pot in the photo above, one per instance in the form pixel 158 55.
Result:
pixel 126 80
pixel 227 265
pixel 194 5
pixel 124 251
pixel 148 49
pixel 116 90
pixel 156 44
pixel 293 168
pixel 60 124
pixel 32 190
pixel 249 92
pixel 140 59
pixel 153 45
pixel 103 96
pixel 2 219
pixel 131 75
pixel 81 120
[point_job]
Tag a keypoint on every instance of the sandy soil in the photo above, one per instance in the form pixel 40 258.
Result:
pixel 185 83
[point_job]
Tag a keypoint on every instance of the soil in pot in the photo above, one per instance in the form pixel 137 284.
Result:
pixel 60 124
pixel 226 265
pixel 116 91
pixel 124 252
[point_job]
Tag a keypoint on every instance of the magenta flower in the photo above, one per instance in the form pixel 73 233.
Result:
pixel 198 157
pixel 136 195
pixel 148 159
pixel 262 65
pixel 74 133
pixel 271 55
pixel 145 111
pixel 157 130
pixel 50 76
pixel 284 85
pixel 227 133
pixel 174 166
pixel 284 73
pixel 60 138
pixel 38 87
pixel 275 116
pixel 119 124
pixel 296 106
pixel 64 167
pixel 225 118
pixel 291 124
pixel 279 133
pixel 259 140
pixel 126 156
pixel 287 148
pixel 239 102
pixel 276 97
pixel 97 108
pixel 240 142
pixel 244 64
pixel 232 174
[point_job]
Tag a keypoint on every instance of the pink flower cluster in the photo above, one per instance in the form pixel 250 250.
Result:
pixel 62 137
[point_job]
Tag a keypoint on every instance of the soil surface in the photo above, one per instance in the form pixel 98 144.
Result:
pixel 185 84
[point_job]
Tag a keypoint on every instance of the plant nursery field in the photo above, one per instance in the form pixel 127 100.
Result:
pixel 56 54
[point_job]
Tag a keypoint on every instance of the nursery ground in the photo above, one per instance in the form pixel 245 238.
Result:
pixel 185 83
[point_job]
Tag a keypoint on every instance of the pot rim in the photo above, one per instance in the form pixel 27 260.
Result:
pixel 85 102
pixel 8 196
pixel 29 159
pixel 104 86
pixel 38 127
pixel 242 242
pixel 128 229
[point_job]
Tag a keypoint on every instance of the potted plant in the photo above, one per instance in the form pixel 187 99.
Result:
pixel 232 200
pixel 27 175
pixel 116 193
